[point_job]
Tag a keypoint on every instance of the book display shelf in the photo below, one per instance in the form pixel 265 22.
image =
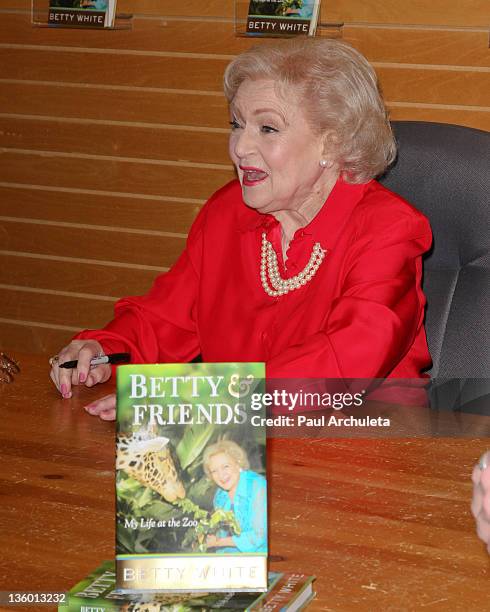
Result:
pixel 43 16
pixel 282 19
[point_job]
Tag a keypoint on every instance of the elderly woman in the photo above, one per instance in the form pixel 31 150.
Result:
pixel 305 262
pixel 240 490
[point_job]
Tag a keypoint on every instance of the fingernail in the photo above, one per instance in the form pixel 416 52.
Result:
pixel 63 389
pixel 82 377
pixel 67 395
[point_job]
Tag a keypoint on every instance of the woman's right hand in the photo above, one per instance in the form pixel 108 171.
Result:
pixel 83 351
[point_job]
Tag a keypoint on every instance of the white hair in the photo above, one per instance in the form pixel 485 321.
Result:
pixel 338 91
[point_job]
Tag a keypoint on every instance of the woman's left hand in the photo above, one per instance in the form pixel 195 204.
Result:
pixel 105 407
pixel 480 506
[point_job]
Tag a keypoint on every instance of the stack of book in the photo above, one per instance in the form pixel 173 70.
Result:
pixel 97 592
pixel 191 496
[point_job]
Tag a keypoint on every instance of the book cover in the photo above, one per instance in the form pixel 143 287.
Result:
pixel 82 13
pixel 282 17
pixel 190 478
pixel 97 592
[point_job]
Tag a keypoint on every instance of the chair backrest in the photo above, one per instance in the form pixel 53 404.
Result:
pixel 443 170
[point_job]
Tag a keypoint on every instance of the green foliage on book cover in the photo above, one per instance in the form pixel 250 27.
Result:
pixel 100 5
pixel 164 498
pixel 273 7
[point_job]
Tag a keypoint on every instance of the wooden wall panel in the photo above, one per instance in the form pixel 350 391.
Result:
pixel 467 48
pixel 71 276
pixel 100 245
pixel 425 85
pixel 31 336
pixel 193 8
pixel 88 313
pixel 186 8
pixel 438 12
pixel 434 86
pixel 202 74
pixel 458 47
pixel 81 136
pixel 150 35
pixel 474 118
pixel 20 5
pixel 101 103
pixel 140 213
pixel 110 141
pixel 138 177
pixel 103 245
pixel 463 13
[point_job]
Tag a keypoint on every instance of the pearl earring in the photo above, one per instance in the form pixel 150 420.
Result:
pixel 323 163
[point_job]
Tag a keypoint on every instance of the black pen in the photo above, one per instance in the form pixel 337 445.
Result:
pixel 113 358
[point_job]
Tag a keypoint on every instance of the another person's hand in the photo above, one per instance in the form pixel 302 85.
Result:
pixel 480 505
pixel 83 351
pixel 105 407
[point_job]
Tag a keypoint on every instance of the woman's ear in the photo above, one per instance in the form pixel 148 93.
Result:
pixel 327 159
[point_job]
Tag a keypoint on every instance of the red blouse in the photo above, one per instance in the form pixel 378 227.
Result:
pixel 360 316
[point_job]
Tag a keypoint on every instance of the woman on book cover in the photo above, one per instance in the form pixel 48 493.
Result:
pixel 240 490
pixel 304 262
pixel 298 10
pixel 301 9
pixel 96 5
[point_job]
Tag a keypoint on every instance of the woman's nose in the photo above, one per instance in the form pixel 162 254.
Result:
pixel 243 143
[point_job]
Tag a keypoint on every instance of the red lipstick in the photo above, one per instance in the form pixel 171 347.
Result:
pixel 252 176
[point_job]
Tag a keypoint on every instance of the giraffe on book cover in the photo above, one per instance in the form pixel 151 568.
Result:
pixel 150 462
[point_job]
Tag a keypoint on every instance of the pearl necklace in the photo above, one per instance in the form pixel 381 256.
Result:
pixel 269 270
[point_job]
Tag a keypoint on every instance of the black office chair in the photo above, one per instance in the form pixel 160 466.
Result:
pixel 443 170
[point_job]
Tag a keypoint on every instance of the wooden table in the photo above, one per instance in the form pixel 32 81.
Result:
pixel 382 523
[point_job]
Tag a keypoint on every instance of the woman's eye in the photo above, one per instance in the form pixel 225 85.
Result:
pixel 234 124
pixel 268 129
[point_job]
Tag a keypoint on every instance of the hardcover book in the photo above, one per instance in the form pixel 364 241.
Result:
pixel 286 592
pixel 190 478
pixel 282 17
pixel 82 13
